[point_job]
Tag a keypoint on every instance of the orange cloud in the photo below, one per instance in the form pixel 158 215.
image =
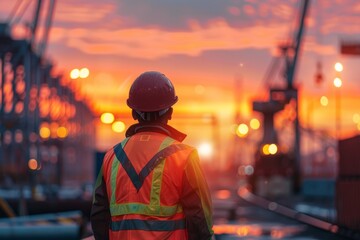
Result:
pixel 154 43
pixel 310 45
pixel 341 24
pixel 283 11
pixel 85 13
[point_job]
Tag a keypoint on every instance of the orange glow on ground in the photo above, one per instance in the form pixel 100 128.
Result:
pixel 243 191
pixel 239 230
pixel 223 194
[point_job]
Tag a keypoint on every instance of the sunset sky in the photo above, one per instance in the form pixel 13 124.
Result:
pixel 204 47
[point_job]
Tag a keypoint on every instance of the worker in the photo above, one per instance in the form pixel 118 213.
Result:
pixel 151 186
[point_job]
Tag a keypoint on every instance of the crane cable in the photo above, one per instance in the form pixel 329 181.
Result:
pixel 12 19
pixel 14 10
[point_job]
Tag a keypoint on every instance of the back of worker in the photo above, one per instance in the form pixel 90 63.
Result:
pixel 153 211
pixel 151 185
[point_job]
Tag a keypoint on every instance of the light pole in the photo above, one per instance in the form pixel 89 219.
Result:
pixel 337 83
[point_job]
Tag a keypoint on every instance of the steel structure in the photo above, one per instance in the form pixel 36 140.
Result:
pixel 46 134
pixel 279 98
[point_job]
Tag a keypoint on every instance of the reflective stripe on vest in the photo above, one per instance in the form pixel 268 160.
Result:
pixel 156 164
pixel 147 225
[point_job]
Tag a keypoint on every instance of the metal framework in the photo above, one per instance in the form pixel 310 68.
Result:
pixel 46 133
pixel 280 97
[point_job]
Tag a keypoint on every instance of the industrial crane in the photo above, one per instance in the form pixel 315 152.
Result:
pixel 34 101
pixel 18 12
pixel 267 165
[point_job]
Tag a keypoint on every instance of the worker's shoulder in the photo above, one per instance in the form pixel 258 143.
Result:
pixel 183 146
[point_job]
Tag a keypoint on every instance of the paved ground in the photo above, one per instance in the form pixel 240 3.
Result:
pixel 239 214
pixel 252 222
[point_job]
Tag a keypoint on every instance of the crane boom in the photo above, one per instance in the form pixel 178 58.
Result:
pixel 279 97
pixel 35 21
pixel 48 21
pixel 292 67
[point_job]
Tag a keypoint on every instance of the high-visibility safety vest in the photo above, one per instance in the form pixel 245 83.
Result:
pixel 156 190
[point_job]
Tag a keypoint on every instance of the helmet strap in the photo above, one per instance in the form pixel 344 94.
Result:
pixel 163 115
pixel 135 115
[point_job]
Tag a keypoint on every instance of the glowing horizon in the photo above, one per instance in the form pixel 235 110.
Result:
pixel 217 57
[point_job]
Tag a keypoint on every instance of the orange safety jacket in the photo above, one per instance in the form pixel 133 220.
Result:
pixel 151 186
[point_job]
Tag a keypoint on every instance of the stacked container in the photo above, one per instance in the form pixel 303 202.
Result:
pixel 348 184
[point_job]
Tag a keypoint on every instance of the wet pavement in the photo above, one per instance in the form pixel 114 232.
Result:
pixel 236 218
pixel 252 222
pixel 239 214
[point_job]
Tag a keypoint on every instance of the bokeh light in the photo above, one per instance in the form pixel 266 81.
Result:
pixel 242 130
pixel 44 132
pixel 205 149
pixel 249 170
pixel 338 67
pixel 33 164
pixel 75 73
pixel 324 101
pixel 269 149
pixel 223 194
pixel 273 149
pixel 107 118
pixel 265 149
pixel 118 126
pixel 337 82
pixel 356 118
pixel 84 73
pixel 254 123
pixel 62 132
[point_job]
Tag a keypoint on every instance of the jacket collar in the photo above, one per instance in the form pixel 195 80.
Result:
pixel 159 128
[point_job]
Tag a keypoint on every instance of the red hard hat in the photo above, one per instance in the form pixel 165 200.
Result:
pixel 151 91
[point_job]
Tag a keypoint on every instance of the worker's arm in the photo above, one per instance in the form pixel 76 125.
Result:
pixel 100 213
pixel 196 200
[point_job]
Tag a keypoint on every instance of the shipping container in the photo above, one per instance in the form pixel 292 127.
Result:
pixel 349 157
pixel 347 202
